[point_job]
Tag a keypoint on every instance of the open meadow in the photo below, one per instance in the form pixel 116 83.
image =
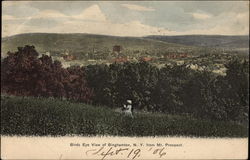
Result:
pixel 48 116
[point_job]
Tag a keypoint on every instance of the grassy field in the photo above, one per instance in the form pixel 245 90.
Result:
pixel 41 116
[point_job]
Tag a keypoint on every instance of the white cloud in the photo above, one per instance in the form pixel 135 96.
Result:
pixel 13 3
pixel 217 30
pixel 49 14
pixel 93 13
pixel 137 7
pixel 201 16
pixel 133 28
pixel 226 23
pixel 93 20
pixel 243 17
pixel 8 17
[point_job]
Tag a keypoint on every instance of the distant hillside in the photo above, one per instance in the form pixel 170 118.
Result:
pixel 81 43
pixel 206 40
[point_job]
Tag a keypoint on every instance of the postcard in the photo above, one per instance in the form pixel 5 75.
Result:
pixel 125 80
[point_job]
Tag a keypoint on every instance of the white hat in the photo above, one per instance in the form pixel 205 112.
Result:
pixel 129 101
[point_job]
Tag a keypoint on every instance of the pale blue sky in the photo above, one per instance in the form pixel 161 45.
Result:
pixel 127 18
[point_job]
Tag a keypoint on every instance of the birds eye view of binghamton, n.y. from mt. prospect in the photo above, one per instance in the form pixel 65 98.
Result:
pixel 125 68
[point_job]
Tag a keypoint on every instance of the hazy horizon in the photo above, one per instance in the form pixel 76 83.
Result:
pixel 124 36
pixel 126 18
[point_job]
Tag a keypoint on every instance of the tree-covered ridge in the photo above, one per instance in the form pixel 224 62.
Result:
pixel 89 46
pixel 222 41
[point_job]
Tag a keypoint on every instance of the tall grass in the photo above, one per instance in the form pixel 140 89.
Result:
pixel 41 116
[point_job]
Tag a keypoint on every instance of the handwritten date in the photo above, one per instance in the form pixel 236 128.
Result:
pixel 128 153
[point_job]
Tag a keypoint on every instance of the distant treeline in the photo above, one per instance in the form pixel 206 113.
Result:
pixel 171 89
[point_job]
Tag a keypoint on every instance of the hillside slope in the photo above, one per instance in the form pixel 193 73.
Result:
pixel 206 40
pixel 84 43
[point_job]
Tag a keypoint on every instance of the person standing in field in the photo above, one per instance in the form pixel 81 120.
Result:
pixel 127 108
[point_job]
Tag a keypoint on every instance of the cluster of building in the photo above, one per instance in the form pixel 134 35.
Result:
pixel 121 58
pixel 176 56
